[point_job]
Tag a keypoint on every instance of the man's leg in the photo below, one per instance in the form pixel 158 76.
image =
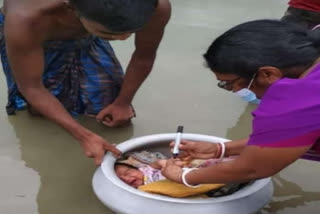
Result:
pixel 102 76
pixel 15 99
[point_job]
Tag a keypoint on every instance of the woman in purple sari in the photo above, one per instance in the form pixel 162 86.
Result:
pixel 280 64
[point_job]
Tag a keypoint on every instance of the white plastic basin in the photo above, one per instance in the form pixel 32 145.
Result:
pixel 124 199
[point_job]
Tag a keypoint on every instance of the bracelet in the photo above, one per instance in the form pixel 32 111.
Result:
pixel 219 150
pixel 223 150
pixel 185 171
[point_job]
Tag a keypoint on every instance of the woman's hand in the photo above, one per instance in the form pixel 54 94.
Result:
pixel 173 170
pixel 196 150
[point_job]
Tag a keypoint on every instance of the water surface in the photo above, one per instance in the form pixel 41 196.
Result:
pixel 43 169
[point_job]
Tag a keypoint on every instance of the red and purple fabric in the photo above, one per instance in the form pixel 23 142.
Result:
pixel 313 5
pixel 289 115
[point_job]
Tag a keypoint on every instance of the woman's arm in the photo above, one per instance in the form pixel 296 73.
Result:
pixel 206 150
pixel 235 147
pixel 253 163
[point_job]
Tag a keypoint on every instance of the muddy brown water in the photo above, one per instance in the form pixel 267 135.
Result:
pixel 43 170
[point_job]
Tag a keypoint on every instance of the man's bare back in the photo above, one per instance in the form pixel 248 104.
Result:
pixel 54 20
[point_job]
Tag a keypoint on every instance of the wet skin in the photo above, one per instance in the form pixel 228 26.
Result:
pixel 41 20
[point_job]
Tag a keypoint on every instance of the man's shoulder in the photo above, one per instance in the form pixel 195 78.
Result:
pixel 26 13
pixel 24 21
pixel 163 8
pixel 163 3
pixel 161 15
pixel 19 10
pixel 30 25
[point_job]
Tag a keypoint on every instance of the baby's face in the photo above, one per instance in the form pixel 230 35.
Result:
pixel 130 176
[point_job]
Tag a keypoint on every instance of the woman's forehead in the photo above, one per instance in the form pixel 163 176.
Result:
pixel 221 76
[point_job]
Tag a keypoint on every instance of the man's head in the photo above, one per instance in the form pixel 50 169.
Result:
pixel 114 17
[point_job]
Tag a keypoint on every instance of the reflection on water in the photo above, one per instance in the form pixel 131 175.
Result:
pixel 289 195
pixel 243 126
pixel 61 164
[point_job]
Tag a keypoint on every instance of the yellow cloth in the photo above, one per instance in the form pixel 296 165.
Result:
pixel 176 190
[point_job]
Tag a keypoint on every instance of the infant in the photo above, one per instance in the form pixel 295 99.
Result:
pixel 144 174
pixel 137 170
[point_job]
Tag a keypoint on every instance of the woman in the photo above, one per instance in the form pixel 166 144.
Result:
pixel 279 62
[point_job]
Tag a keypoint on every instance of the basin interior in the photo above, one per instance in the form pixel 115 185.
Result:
pixel 160 146
pixel 163 147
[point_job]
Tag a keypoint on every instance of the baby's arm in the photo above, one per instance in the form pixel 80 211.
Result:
pixel 159 164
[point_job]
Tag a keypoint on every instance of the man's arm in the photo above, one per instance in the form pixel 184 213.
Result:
pixel 26 58
pixel 140 65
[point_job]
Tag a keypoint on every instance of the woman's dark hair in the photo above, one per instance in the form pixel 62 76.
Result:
pixel 245 48
pixel 117 15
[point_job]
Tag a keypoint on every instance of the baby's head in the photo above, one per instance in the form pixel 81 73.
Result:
pixel 129 174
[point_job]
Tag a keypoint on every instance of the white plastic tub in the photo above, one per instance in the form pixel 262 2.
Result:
pixel 124 199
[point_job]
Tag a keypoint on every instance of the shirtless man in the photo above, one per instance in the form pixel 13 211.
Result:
pixel 57 60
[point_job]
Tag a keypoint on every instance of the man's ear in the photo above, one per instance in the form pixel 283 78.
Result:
pixel 268 74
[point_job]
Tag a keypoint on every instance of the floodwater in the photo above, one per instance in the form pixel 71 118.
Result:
pixel 43 170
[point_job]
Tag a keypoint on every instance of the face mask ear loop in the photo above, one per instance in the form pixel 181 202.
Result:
pixel 254 75
pixel 315 27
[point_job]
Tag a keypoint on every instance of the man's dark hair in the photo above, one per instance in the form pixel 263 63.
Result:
pixel 117 15
pixel 245 48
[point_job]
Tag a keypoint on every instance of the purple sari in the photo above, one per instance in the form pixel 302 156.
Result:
pixel 289 115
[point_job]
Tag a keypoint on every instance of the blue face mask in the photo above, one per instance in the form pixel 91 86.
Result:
pixel 247 95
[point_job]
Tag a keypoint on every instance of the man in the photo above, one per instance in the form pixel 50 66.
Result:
pixel 56 60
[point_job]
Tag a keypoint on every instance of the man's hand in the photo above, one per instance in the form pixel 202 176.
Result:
pixel 173 170
pixel 95 147
pixel 115 115
pixel 196 150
